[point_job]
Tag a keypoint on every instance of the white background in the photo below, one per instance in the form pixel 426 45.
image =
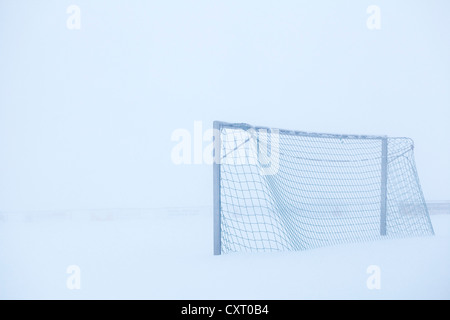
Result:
pixel 86 116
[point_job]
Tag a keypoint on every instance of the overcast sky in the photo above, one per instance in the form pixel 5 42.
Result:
pixel 86 115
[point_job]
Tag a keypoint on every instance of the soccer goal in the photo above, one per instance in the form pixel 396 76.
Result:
pixel 278 189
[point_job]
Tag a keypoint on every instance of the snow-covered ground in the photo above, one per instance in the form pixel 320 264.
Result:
pixel 167 254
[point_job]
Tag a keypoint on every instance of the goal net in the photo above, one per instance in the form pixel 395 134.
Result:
pixel 280 190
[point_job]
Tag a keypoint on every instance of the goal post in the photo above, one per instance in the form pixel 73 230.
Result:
pixel 383 188
pixel 277 189
pixel 216 187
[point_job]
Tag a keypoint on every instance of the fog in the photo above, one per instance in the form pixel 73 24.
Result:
pixel 87 115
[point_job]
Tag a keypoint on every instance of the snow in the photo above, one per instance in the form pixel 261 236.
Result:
pixel 167 254
pixel 88 116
